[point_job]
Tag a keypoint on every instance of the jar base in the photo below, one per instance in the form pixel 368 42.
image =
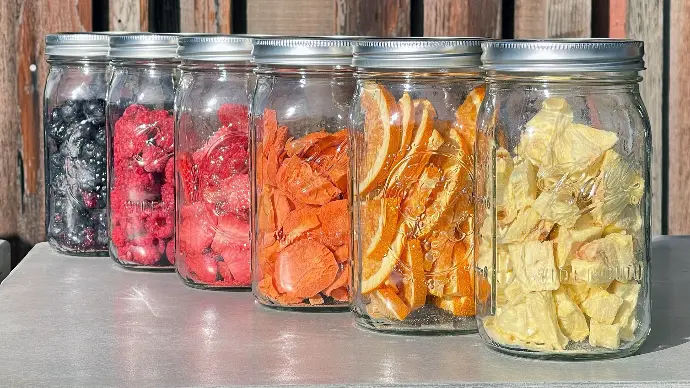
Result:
pixel 303 308
pixel 465 325
pixel 200 286
pixel 565 355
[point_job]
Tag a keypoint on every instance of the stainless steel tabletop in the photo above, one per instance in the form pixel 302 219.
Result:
pixel 70 321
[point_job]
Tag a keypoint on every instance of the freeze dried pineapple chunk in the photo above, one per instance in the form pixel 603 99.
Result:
pixel 534 265
pixel 504 169
pixel 525 223
pixel 594 273
pixel 557 208
pixel 604 335
pixel 618 185
pixel 602 306
pixel 515 321
pixel 575 148
pixel 570 240
pixel 629 292
pixel 541 310
pixel 514 293
pixel 614 251
pixel 535 142
pixel 522 185
pixel 570 318
pixel 579 291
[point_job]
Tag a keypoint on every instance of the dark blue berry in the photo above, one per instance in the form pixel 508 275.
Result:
pixel 95 109
pixel 71 110
pixel 88 150
pixel 57 162
pixel 72 147
pixel 58 130
pixel 100 136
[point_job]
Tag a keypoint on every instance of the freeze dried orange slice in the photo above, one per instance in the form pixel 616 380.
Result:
pixel 406 107
pixel 455 180
pixel 466 116
pixel 441 252
pixel 382 135
pixel 415 203
pixel 459 279
pixel 414 286
pixel 426 139
pixel 460 306
pixel 379 224
pixel 389 304
pixel 376 269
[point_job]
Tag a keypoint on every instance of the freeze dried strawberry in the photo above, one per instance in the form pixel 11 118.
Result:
pixel 196 229
pixel 202 267
pixel 236 265
pixel 188 175
pixel 235 116
pixel 230 231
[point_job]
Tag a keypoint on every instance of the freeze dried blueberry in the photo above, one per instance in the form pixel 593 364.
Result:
pixel 88 150
pixel 59 184
pixel 85 175
pixel 58 130
pixel 57 162
pixel 72 147
pixel 95 109
pixel 71 110
pixel 56 229
pixel 99 136
pixel 55 115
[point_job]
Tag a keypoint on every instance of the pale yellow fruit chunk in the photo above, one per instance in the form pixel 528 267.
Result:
pixel 607 336
pixel 535 142
pixel 514 320
pixel 629 292
pixel 618 186
pixel 542 311
pixel 570 318
pixel 534 265
pixel 575 148
pixel 614 251
pixel 602 306
pixel 553 206
pixel 570 240
pixel 524 225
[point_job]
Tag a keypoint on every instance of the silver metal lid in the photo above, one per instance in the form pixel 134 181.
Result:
pixel 143 46
pixel 77 44
pixel 563 55
pixel 418 53
pixel 221 48
pixel 304 51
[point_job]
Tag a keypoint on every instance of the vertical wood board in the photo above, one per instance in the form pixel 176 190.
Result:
pixel 129 15
pixel 462 18
pixel 295 17
pixel 553 18
pixel 373 18
pixel 206 16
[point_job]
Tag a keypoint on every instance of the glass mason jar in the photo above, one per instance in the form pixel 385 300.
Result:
pixel 75 150
pixel 140 150
pixel 212 161
pixel 300 156
pixel 563 199
pixel 413 124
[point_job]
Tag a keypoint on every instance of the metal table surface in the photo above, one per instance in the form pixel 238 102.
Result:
pixel 70 321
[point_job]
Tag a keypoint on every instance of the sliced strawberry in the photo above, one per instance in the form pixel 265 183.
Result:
pixel 236 265
pixel 188 174
pixel 202 267
pixel 196 230
pixel 231 231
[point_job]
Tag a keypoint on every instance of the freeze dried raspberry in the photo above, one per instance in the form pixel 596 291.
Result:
pixel 202 267
pixel 188 174
pixel 118 237
pixel 133 110
pixel 170 251
pixel 170 171
pixel 154 159
pixel 235 116
pixel 168 196
pixel 196 230
pixel 142 254
pixel 161 224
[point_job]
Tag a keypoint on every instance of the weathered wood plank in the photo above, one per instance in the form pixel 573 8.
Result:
pixel 462 18
pixel 645 21
pixel 679 119
pixel 129 15
pixel 553 18
pixel 206 16
pixel 23 26
pixel 295 17
pixel 9 119
pixel 373 18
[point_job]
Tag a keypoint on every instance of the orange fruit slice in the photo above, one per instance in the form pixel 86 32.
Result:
pixel 414 287
pixel 441 253
pixel 382 134
pixel 466 116
pixel 375 270
pixel 406 107
pixel 412 164
pixel 460 306
pixel 298 222
pixel 459 279
pixel 379 221
pixel 388 304
pixel 416 201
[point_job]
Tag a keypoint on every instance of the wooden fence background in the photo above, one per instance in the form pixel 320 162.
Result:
pixel 664 25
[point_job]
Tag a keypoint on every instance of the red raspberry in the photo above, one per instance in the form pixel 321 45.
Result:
pixel 142 254
pixel 118 237
pixel 202 267
pixel 154 159
pixel 170 171
pixel 161 224
pixel 133 110
pixel 235 116
pixel 168 196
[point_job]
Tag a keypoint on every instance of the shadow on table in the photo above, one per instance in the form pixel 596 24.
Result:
pixel 670 292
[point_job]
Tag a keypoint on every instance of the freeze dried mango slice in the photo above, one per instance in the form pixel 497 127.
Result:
pixel 382 129
pixel 304 268
pixel 303 184
pixel 414 286
pixel 298 223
